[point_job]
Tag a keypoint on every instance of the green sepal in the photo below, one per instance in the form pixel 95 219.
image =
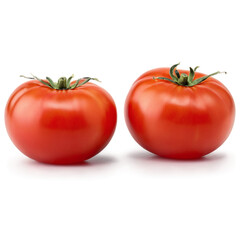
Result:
pixel 195 69
pixel 75 84
pixel 53 85
pixel 175 79
pixel 199 80
pixel 163 78
pixel 184 79
pixel 87 80
pixel 63 83
pixel 177 73
pixel 69 80
pixel 43 82
pixel 191 75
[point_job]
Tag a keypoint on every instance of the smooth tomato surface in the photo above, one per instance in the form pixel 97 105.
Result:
pixel 60 126
pixel 176 121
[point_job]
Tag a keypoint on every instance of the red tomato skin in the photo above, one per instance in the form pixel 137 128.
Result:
pixel 175 121
pixel 60 126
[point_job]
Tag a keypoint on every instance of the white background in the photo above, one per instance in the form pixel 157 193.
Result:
pixel 124 192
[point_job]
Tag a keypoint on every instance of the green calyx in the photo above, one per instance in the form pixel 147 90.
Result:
pixel 184 79
pixel 63 83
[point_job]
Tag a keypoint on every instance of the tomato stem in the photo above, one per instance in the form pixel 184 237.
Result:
pixel 63 83
pixel 184 79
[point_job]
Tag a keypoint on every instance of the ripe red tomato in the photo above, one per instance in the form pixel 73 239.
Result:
pixel 60 123
pixel 185 115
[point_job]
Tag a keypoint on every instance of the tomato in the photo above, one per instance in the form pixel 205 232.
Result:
pixel 60 123
pixel 185 115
